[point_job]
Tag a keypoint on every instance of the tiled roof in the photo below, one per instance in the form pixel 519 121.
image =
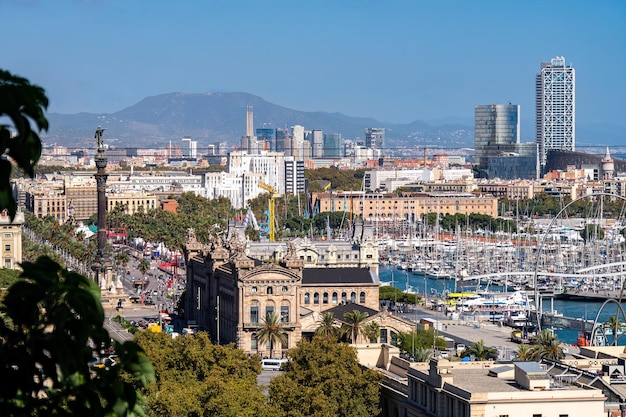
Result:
pixel 317 276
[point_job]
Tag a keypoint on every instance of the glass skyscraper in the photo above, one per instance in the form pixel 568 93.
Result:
pixel 496 130
pixel 555 119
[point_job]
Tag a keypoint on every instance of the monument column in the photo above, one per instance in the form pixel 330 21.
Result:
pixel 103 266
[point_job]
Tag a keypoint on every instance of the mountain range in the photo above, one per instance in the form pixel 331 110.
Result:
pixel 220 117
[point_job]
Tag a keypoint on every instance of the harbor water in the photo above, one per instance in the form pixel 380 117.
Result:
pixel 420 284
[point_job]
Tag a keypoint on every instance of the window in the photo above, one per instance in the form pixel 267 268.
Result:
pixel 308 258
pixel 7 264
pixel 253 289
pixel 334 299
pixel 344 298
pixel 316 298
pixel 253 342
pixel 285 288
pixel 325 298
pixel 284 314
pixel 7 235
pixel 7 248
pixel 383 335
pixel 362 298
pixel 286 342
pixel 268 310
pixel 270 290
pixel 307 298
pixel 338 256
pixel 353 297
pixel 254 314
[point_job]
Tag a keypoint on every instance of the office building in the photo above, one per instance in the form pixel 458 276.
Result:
pixel 496 130
pixel 189 148
pixel 375 137
pixel 316 141
pixel 332 145
pixel 266 135
pixel 555 119
pixel 294 177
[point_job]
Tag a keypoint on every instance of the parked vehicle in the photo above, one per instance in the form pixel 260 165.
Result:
pixel 273 364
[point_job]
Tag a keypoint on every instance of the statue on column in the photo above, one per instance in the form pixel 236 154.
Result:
pixel 99 131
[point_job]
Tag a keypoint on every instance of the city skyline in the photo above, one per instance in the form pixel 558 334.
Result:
pixel 396 62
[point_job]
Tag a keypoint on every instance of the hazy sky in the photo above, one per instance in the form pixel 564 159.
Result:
pixel 396 61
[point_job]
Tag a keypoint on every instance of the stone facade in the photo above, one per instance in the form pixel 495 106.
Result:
pixel 232 285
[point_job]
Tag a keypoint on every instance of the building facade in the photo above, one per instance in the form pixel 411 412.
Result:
pixel 555 119
pixel 391 207
pixel 11 239
pixel 233 285
pixel 294 177
pixel 375 137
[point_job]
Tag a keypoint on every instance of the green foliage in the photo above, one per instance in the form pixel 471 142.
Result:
pixel 328 326
pixel 591 232
pixel 8 277
pixel 523 353
pixel 324 379
pixel 157 225
pixel 480 352
pixel 545 344
pixel 420 339
pixel 388 292
pixel 51 327
pixel 196 378
pixel 143 266
pixel 271 331
pixel 352 325
pixel 346 180
pixel 22 103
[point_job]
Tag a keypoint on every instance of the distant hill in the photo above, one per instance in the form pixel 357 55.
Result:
pixel 217 117
pixel 213 117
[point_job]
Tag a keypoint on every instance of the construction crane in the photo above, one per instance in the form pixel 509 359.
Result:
pixel 327 186
pixel 273 195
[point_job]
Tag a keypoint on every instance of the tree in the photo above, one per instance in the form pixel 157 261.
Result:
pixel 197 378
pixel 592 231
pixel 546 345
pixel 523 353
pixel 480 352
pixel 371 331
pixel 271 331
pixel 420 339
pixel 51 312
pixel 143 266
pixel 324 379
pixel 353 325
pixel 615 325
pixel 327 326
pixel 422 354
pixel 23 103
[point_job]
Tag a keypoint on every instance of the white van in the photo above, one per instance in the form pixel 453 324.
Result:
pixel 272 364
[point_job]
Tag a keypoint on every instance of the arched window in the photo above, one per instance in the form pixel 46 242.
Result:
pixel 344 298
pixel 362 298
pixel 253 342
pixel 284 312
pixel 253 289
pixel 285 288
pixel 325 298
pixel 254 312
pixel 307 298
pixel 316 298
pixel 334 299
pixel 270 290
pixel 353 297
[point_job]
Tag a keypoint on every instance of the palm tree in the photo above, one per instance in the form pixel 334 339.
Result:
pixel 614 324
pixel 327 326
pixel 353 325
pixel 271 331
pixel 480 351
pixel 546 345
pixel 372 331
pixel 422 354
pixel 523 353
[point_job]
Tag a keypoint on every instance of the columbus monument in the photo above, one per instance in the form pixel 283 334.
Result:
pixel 103 266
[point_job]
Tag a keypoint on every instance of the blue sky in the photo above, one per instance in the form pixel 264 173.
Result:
pixel 396 61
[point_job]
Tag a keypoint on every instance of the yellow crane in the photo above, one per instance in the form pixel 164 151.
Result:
pixel 271 221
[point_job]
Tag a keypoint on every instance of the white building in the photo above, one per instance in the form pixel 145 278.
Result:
pixel 270 164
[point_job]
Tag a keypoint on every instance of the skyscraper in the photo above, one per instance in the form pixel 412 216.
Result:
pixel 332 145
pixel 375 137
pixel 496 130
pixel 555 107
